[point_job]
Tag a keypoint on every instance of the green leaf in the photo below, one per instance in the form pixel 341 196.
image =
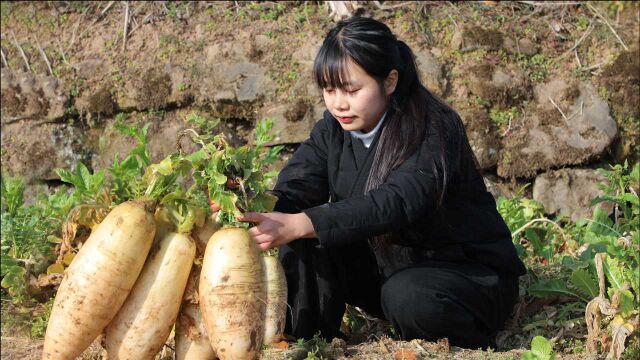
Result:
pixel 263 202
pixel 569 263
pixel 542 348
pixel 12 194
pixel 585 281
pixel 551 288
pixel 627 305
pixel 220 179
pixel 6 263
pixel 614 272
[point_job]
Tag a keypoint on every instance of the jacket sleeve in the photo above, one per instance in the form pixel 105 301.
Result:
pixel 409 194
pixel 303 182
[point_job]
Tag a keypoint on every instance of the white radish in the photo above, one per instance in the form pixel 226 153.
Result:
pixel 233 294
pixel 276 299
pixel 98 280
pixel 192 341
pixel 202 234
pixel 144 322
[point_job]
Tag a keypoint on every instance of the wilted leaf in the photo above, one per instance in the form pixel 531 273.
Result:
pixel 68 258
pixel 282 345
pixel 404 354
pixel 56 268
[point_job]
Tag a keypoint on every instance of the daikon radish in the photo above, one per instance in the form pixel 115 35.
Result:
pixel 97 282
pixel 202 234
pixel 192 341
pixel 233 294
pixel 276 299
pixel 144 322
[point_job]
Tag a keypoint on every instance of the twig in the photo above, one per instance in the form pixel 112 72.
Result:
pixel 4 58
pixel 106 8
pixel 577 58
pixel 44 56
pixel 64 59
pixel 549 3
pixel 592 67
pixel 557 107
pixel 24 56
pixel 579 111
pixel 454 22
pixel 75 28
pixel 394 6
pixel 584 36
pixel 141 23
pixel 602 18
pixel 102 13
pixel 126 25
pixel 507 130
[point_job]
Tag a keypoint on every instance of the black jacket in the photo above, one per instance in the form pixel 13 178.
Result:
pixel 325 180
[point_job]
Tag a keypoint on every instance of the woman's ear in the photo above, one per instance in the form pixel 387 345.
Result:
pixel 390 82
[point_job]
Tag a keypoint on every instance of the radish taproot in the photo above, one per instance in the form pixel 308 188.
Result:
pixel 99 279
pixel 232 294
pixel 192 341
pixel 145 320
pixel 276 299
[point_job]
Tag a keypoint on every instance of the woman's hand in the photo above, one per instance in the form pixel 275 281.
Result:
pixel 277 229
pixel 214 209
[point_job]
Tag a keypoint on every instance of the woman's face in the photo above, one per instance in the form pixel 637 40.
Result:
pixel 361 104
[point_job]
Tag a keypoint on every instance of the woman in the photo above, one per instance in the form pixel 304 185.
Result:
pixel 383 206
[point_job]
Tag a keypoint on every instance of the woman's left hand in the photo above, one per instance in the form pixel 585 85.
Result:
pixel 277 229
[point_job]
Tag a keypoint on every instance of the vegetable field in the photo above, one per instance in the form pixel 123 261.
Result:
pixel 582 286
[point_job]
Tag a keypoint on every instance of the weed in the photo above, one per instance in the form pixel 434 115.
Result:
pixel 502 118
pixel 582 23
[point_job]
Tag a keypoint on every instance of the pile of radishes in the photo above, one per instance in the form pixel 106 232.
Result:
pixel 160 260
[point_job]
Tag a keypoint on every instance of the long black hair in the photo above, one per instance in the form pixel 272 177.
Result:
pixel 373 46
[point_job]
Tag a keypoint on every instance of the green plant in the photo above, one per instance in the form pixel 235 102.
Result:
pixel 582 23
pixel 541 349
pixel 603 274
pixel 29 233
pixel 234 177
pixel 39 324
pixel 503 118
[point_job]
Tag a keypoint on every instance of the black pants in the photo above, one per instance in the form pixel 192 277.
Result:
pixel 466 303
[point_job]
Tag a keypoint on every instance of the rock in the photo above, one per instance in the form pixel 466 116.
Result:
pixel 549 140
pixel 30 96
pixel 431 72
pixel 33 152
pixel 503 87
pixel 148 87
pixel 622 79
pixel 475 37
pixel 569 192
pixel 524 46
pixel 92 69
pixel 99 102
pixel 229 81
pixel 289 130
pixel 482 135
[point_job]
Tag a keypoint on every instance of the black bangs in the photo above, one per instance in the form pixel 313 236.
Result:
pixel 330 66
